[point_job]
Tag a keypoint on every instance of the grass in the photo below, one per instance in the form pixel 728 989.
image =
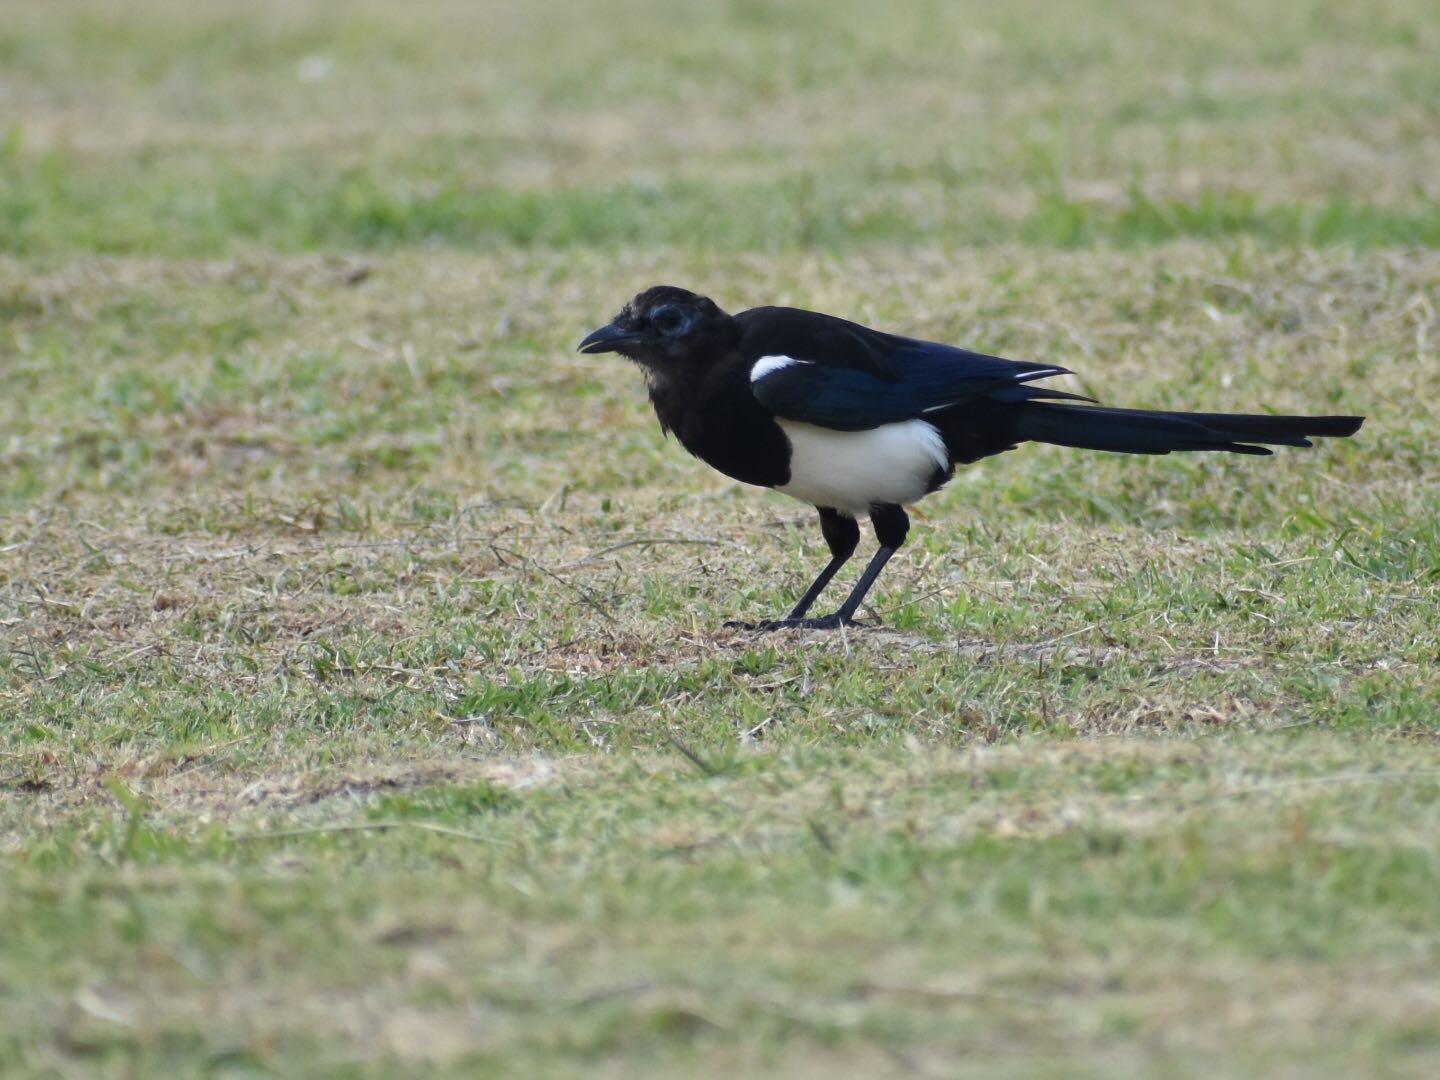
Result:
pixel 52 204
pixel 172 131
pixel 364 703
pixel 1014 905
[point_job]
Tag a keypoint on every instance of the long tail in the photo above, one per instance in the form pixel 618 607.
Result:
pixel 1137 431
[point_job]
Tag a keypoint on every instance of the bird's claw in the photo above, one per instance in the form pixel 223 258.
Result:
pixel 824 622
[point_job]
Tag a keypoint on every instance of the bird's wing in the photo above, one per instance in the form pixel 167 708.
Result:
pixel 825 371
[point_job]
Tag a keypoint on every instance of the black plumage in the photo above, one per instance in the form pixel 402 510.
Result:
pixel 854 420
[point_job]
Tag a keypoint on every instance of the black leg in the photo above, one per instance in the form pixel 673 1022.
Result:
pixel 842 535
pixel 892 525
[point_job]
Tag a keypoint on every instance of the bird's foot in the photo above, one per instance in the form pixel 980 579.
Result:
pixel 824 622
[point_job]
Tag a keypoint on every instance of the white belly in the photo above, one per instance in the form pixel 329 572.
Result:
pixel 854 470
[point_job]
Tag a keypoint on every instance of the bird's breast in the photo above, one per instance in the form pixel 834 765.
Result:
pixel 721 423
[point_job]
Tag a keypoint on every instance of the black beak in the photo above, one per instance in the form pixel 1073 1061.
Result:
pixel 609 338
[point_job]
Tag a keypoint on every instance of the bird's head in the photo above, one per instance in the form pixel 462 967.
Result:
pixel 664 325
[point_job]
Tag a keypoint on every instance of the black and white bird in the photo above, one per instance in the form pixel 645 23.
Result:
pixel 855 421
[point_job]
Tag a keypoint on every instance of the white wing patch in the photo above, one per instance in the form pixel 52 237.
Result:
pixel 854 470
pixel 768 365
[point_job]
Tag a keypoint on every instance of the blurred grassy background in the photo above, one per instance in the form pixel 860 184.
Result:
pixel 177 129
pixel 364 707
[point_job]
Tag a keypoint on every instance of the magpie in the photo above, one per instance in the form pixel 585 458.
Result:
pixel 858 422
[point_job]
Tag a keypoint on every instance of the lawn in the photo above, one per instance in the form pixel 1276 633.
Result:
pixel 365 703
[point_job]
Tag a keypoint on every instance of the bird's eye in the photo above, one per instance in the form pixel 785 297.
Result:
pixel 669 320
